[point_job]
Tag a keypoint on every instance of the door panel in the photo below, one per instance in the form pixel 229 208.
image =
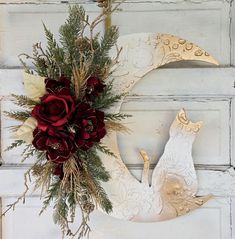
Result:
pixel 212 220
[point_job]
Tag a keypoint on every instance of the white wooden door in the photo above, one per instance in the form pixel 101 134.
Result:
pixel 207 93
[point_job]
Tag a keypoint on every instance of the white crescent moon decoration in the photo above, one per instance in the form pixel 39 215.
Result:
pixel 173 188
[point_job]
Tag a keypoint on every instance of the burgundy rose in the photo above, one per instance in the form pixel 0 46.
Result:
pixel 94 88
pixel 58 147
pixel 53 111
pixel 58 87
pixel 90 127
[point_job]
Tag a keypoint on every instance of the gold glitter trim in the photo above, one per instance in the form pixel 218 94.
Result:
pixel 183 121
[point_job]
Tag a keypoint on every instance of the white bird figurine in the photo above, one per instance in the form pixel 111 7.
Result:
pixel 174 184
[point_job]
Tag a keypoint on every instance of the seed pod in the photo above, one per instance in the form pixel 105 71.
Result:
pixel 103 3
pixel 88 207
pixel 82 43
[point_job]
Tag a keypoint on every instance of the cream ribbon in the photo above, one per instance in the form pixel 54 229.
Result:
pixel 34 86
pixel 34 89
pixel 25 132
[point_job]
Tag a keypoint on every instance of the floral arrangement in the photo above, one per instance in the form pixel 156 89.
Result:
pixel 65 116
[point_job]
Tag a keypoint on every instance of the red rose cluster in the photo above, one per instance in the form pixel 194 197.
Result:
pixel 66 124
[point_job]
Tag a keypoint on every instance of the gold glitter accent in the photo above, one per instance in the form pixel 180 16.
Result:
pixel 183 121
pixel 181 41
pixel 166 42
pixel 176 193
pixel 189 46
pixel 176 49
pixel 183 201
pixel 198 53
pixel 146 166
pixel 175 46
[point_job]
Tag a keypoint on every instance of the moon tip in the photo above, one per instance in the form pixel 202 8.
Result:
pixel 177 49
pixel 212 60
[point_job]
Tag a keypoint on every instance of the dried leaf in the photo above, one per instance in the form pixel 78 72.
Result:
pixel 116 126
pixel 80 79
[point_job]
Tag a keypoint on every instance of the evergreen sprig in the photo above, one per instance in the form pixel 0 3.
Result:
pixel 18 115
pixel 102 197
pixel 70 31
pixel 95 166
pixel 28 152
pixel 40 61
pixel 107 98
pixel 61 211
pixel 102 61
pixel 116 117
pixel 109 40
pixel 15 144
pixel 104 149
pixel 56 54
pixel 23 100
pixel 52 193
pixel 93 187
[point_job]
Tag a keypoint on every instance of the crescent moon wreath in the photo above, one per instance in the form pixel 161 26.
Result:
pixel 73 99
pixel 173 188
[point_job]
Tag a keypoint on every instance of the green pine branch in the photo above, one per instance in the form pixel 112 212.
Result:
pixel 28 152
pixel 40 61
pixel 101 60
pixel 18 115
pixel 24 101
pixel 61 212
pixel 52 193
pixel 104 149
pixel 116 117
pixel 94 172
pixel 56 54
pixel 108 40
pixel 107 98
pixel 96 168
pixel 72 205
pixel 102 197
pixel 70 31
pixel 15 144
pixel 91 185
pixel 23 63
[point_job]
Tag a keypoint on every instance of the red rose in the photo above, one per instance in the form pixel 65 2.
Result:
pixel 94 88
pixel 58 147
pixel 58 87
pixel 89 124
pixel 53 111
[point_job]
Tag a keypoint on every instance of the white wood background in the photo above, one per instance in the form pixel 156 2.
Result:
pixel 207 93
